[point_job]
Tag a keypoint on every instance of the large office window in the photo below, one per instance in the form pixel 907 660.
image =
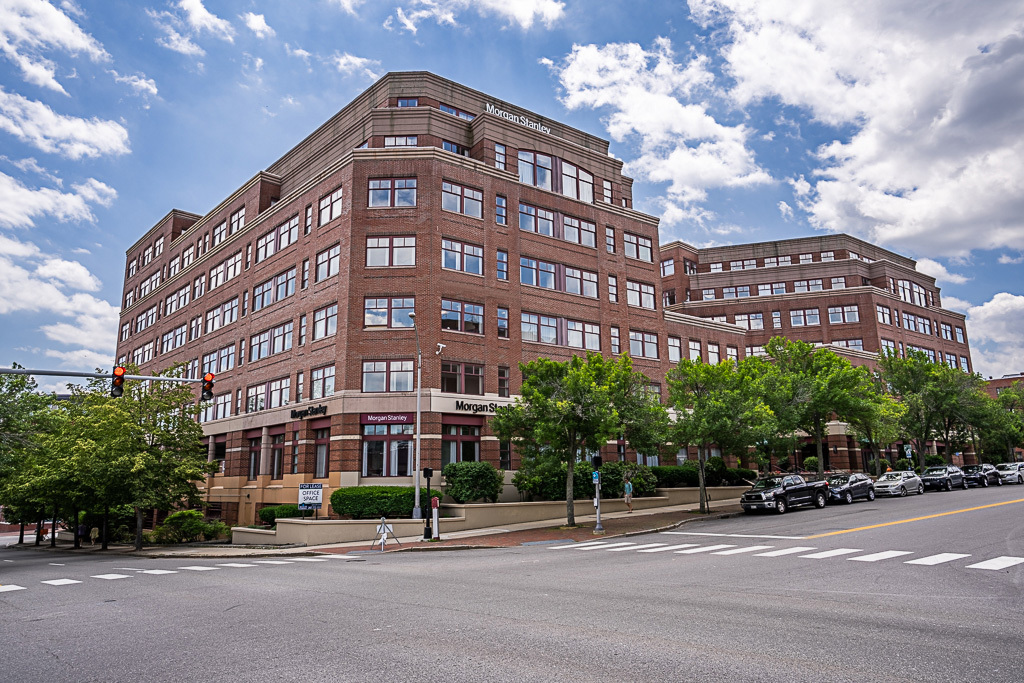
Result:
pixel 388 311
pixel 388 450
pixel 386 376
pixel 462 199
pixel 535 169
pixel 390 252
pixel 462 317
pixel 467 258
pixel 462 378
pixel 392 192
pixel 328 263
pixel 637 247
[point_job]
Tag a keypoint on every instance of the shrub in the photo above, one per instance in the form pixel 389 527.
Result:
pixel 547 481
pixel 811 463
pixel 374 502
pixel 270 514
pixel 903 464
pixel 466 482
pixel 883 463
pixel 934 460
pixel 613 479
pixel 186 526
pixel 739 476
pixel 676 476
pixel 714 471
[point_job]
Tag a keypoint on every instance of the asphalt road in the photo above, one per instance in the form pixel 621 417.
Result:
pixel 930 590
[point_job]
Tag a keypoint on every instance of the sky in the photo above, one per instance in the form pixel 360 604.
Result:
pixel 898 121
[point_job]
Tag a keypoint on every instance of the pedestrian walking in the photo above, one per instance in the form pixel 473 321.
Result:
pixel 94 533
pixel 628 490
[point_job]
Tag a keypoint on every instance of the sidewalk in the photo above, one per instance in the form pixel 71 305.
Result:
pixel 548 531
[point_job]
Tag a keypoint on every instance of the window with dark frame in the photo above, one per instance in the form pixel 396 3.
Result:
pixel 392 192
pixel 390 251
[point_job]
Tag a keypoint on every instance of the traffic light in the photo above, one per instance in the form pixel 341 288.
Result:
pixel 117 381
pixel 208 386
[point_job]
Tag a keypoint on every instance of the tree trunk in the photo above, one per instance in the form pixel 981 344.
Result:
pixel 21 533
pixel 39 531
pixel 702 490
pixel 53 528
pixel 78 529
pixel 138 528
pixel 570 511
pixel 106 517
pixel 817 443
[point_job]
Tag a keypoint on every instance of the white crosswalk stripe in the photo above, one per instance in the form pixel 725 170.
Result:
pixel 636 547
pixel 997 563
pixel 748 549
pixel 306 559
pixel 109 577
pixel 60 582
pixel 786 551
pixel 705 549
pixel 236 564
pixel 199 568
pixel 271 562
pixel 668 547
pixel 825 554
pixel 157 572
pixel 875 557
pixel 941 558
pixel 576 545
pixel 11 587
pixel 605 546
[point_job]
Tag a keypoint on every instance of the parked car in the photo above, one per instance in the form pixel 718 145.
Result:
pixel 846 487
pixel 944 477
pixel 982 475
pixel 899 484
pixel 1011 472
pixel 784 492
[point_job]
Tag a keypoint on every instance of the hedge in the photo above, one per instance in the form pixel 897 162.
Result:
pixel 374 502
pixel 613 479
pixel 185 526
pixel 466 482
pixel 270 514
pixel 679 476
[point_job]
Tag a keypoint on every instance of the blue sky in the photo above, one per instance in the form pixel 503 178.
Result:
pixel 741 121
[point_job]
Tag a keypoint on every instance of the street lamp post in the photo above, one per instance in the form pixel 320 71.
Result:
pixel 417 512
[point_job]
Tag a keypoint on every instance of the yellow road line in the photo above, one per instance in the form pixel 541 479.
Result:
pixel 916 519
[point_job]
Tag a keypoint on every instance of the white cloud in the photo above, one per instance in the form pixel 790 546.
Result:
pixel 955 304
pixel 1006 259
pixel 176 42
pixel 201 19
pixel 523 13
pixel 647 93
pixel 297 52
pixel 352 65
pixel 996 328
pixel 35 123
pixel 258 25
pixel 82 360
pixel 67 273
pixel 20 205
pixel 140 84
pixel 30 165
pixel 939 272
pixel 349 6
pixel 30 27
pixel 785 210
pixel 935 103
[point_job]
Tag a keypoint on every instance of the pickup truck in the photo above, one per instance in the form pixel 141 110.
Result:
pixel 782 492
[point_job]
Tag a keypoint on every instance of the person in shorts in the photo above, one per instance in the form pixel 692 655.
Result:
pixel 628 490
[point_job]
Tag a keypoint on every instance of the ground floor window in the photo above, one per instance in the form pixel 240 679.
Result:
pixel 277 456
pixel 254 458
pixel 459 443
pixel 387 450
pixel 323 444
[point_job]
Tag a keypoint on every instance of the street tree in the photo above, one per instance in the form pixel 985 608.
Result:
pixel 877 419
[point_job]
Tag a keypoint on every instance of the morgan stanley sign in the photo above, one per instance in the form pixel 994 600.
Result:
pixel 516 118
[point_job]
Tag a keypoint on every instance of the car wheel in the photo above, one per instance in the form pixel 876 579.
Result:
pixel 871 494
pixel 920 490
pixel 780 506
pixel 964 484
pixel 999 481
pixel 1020 479
pixel 984 482
pixel 819 500
pixel 949 484
pixel 903 492
pixel 848 498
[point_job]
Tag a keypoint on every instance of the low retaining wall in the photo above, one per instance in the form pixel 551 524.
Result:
pixel 460 518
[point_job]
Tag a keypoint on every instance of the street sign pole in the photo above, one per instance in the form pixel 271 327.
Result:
pixel 598 529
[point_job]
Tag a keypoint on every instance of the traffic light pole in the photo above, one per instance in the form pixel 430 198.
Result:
pixel 94 375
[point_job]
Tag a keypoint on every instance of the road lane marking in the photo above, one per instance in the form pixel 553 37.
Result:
pixel 915 519
pixel 157 572
pixel 884 555
pixel 702 533
pixel 997 563
pixel 704 549
pixel 109 577
pixel 933 560
pixel 576 545
pixel 748 549
pixel 235 564
pixel 606 545
pixel 271 562
pixel 197 568
pixel 667 548
pixel 786 551
pixel 832 553
pixel 11 587
pixel 306 559
pixel 60 582
pixel 636 547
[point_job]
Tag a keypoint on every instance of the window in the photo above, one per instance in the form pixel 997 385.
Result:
pixel 462 378
pixel 129 299
pixel 502 265
pixel 530 327
pixel 536 273
pixel 616 344
pixel 884 314
pixel 806 258
pixel 147 256
pixel 909 321
pixel 960 338
pixel 459 443
pixel 195 327
pixel 947 331
pixel 579 232
pixel 177 300
pixel 187 257
pixel 125 331
pixel 504 382
pixel 803 317
pixel 606 191
pixel 226 270
pixel 828 256
pixel 807 286
pixel 328 263
pixel 266 245
pixel 461 199
pixel 199 287
pixel 708 295
pixel 577 183
pixel 963 364
pixel 503 323
pixel 394 375
pixel 237 221
pixel 668 297
pixel 392 192
pixel 843 314
pixel 732 353
pixel 499 157
pixel 637 247
pixel 581 335
pixel 220 233
pixel 387 450
pixel 714 355
pixel 322 382
pixel 408 102
pixel 643 344
pixel 743 265
pixel 609 240
pixel 467 258
pixel 581 282
pixel 388 312
pixel 270 342
pixel 278 392
pixel 839 283
pixel 323 446
pixel 454 148
pixel 390 251
pixel 773 261
pixel 911 292
pixel 750 321
pixel 174 266
pixel 133 267
pixel 668 267
pixel 857 344
pixel 325 322
pixel 535 169
pixel 262 295
pixel 149 284
pixel 400 141
pixel 889 346
pixel 456 112
pixel 640 294
pixel 675 349
pixel 462 317
pixel 532 219
pixel 716 267
pixel 500 210
pixel 222 315
pixel 776 320
pixel 695 350
pixel 740 292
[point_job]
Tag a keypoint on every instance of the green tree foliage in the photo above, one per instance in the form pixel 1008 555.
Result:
pixel 374 502
pixel 568 408
pixel 914 381
pixel 466 482
pixel 1000 424
pixel 876 419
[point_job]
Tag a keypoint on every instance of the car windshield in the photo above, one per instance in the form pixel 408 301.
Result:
pixel 972 468
pixel 1006 467
pixel 771 483
pixel 935 470
pixel 891 476
pixel 835 481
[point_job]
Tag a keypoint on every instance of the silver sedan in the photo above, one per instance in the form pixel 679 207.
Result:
pixel 898 484
pixel 1011 472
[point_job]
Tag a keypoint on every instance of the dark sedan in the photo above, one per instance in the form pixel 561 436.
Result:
pixel 982 475
pixel 846 487
pixel 943 478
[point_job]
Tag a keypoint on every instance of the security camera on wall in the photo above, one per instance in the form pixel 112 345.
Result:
pixel 440 347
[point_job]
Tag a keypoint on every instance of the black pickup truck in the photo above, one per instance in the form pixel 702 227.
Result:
pixel 783 492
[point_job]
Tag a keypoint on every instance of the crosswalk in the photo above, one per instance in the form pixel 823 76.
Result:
pixel 801 552
pixel 136 571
